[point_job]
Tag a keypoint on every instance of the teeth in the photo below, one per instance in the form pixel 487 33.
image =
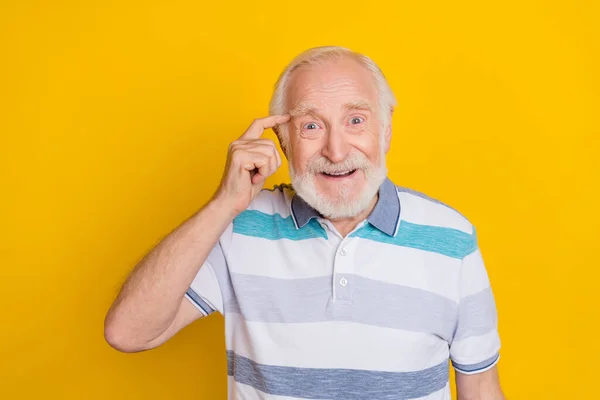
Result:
pixel 338 173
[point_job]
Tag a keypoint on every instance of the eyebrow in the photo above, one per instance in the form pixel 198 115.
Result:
pixel 309 108
pixel 303 109
pixel 358 105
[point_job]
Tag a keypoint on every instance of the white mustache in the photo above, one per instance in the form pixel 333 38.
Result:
pixel 350 163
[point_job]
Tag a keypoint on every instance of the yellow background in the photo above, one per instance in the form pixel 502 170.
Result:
pixel 115 118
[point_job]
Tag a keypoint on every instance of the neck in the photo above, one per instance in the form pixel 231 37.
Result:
pixel 347 225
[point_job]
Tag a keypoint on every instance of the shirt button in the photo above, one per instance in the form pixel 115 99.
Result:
pixel 343 252
pixel 343 281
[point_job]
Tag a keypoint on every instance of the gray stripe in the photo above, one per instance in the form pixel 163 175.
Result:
pixel 337 384
pixel 476 367
pixel 476 315
pixel 363 300
pixel 201 303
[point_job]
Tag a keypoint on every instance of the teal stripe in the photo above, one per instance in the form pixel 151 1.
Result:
pixel 447 241
pixel 275 227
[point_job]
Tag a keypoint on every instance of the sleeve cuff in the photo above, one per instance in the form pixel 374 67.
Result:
pixel 470 369
pixel 200 304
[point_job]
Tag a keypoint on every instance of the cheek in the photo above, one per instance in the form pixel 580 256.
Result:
pixel 368 143
pixel 300 157
pixel 302 152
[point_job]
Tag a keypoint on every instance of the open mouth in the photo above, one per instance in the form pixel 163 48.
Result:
pixel 339 174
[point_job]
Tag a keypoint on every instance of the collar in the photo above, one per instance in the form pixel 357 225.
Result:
pixel 384 216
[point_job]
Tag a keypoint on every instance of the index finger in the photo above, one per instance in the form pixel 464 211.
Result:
pixel 257 127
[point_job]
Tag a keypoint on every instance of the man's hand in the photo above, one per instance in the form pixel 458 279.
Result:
pixel 151 306
pixel 250 161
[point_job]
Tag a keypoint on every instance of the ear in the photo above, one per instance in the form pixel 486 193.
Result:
pixel 388 131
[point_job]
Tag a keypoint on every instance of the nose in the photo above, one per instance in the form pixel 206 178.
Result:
pixel 336 147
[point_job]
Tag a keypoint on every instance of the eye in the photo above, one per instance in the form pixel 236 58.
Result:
pixel 311 126
pixel 356 120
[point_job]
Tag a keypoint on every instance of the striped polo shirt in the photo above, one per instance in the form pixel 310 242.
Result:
pixel 377 314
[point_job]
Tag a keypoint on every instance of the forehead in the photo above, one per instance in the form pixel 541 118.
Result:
pixel 331 83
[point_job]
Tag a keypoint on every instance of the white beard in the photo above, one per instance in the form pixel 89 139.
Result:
pixel 341 205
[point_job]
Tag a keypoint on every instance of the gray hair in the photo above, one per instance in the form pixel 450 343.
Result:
pixel 316 55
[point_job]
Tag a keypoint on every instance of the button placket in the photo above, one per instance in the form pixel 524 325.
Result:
pixel 343 267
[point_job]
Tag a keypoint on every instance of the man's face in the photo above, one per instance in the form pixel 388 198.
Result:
pixel 337 143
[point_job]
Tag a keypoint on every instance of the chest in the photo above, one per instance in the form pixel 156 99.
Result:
pixel 347 279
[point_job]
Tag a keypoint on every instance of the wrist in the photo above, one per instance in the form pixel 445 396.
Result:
pixel 220 206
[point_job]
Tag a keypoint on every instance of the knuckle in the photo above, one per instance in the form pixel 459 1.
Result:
pixel 267 142
pixel 236 154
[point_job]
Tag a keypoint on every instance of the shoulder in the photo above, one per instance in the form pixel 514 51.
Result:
pixel 273 201
pixel 420 208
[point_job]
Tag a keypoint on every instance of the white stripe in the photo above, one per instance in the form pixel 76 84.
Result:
pixel 334 345
pixel 410 267
pixel 272 202
pixel 281 259
pixel 442 394
pixel 425 212
pixel 399 265
pixel 474 277
pixel 240 391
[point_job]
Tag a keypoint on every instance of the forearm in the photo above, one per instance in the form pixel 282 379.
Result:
pixel 150 298
pixel 482 386
pixel 495 395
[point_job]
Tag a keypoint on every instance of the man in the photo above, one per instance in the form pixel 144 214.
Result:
pixel 341 286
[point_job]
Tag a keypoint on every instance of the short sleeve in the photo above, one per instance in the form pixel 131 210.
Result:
pixel 476 343
pixel 205 292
